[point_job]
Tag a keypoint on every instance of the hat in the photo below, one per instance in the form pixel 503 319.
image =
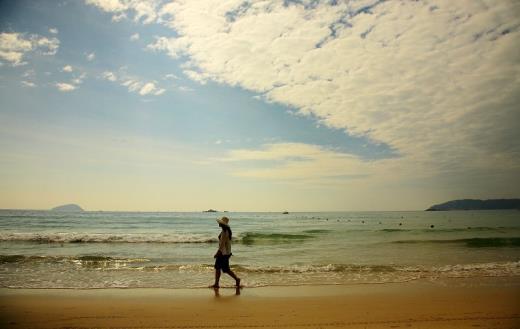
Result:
pixel 224 221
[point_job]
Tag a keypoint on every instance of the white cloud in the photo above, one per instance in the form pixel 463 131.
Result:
pixel 109 5
pixel 134 37
pixel 65 87
pixel 53 30
pixel 298 162
pixel 110 76
pixel 159 91
pixel 144 11
pixel 171 76
pixel 29 74
pixel 91 56
pixel 148 88
pixel 67 68
pixel 14 46
pixel 172 46
pixel 134 84
pixel 197 76
pixel 437 83
pixel 77 80
pixel 28 83
pixel 185 89
pixel 47 46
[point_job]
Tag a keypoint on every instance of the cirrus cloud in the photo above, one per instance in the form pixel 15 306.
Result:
pixel 437 81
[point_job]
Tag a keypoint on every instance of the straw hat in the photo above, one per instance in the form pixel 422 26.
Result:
pixel 224 221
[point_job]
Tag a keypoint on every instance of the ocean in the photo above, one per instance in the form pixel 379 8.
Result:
pixel 88 250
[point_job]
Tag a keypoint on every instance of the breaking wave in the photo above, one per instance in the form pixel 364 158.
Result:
pixel 106 238
pixel 247 238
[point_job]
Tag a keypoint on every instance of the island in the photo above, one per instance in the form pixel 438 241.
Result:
pixel 475 204
pixel 68 208
pixel 210 210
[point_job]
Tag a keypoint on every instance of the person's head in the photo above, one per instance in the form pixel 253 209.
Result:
pixel 224 224
pixel 224 221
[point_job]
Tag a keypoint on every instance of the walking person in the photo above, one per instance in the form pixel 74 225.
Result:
pixel 224 253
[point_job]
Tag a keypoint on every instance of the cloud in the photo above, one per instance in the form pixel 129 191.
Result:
pixel 79 79
pixel 171 76
pixel 134 37
pixel 53 30
pixel 14 46
pixel 159 91
pixel 298 162
pixel 144 11
pixel 185 89
pixel 174 47
pixel 110 76
pixel 65 87
pixel 28 84
pixel 147 89
pixel 438 84
pixel 29 74
pixel 91 56
pixel 67 68
pixel 134 84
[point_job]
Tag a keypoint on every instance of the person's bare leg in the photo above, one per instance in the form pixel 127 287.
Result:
pixel 217 278
pixel 234 276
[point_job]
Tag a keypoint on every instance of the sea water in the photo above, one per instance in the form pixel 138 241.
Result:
pixel 45 249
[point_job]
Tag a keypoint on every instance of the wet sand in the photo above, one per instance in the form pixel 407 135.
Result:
pixel 403 305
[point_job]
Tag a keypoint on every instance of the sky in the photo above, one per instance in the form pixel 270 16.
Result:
pixel 236 105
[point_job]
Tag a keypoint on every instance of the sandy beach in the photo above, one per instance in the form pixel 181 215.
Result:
pixel 404 305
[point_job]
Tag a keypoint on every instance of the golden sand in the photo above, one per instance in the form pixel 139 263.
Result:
pixel 409 305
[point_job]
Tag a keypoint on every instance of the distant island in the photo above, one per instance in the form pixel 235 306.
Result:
pixel 472 204
pixel 68 207
pixel 210 210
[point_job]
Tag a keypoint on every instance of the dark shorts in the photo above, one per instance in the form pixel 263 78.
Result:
pixel 222 263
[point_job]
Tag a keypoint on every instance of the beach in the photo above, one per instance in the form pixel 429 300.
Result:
pixel 298 270
pixel 460 304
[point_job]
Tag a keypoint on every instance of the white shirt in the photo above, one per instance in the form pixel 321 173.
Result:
pixel 224 243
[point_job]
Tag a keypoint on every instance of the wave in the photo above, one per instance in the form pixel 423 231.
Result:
pixel 250 238
pixel 472 242
pixel 247 238
pixel 347 271
pixel 63 259
pixel 73 237
pixel 316 231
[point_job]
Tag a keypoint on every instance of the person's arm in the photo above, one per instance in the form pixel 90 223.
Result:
pixel 221 242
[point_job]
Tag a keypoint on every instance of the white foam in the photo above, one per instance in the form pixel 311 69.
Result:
pixel 74 237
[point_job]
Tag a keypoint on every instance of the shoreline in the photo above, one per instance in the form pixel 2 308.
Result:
pixel 459 304
pixel 475 281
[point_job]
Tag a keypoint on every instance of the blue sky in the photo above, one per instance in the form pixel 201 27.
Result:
pixel 324 106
